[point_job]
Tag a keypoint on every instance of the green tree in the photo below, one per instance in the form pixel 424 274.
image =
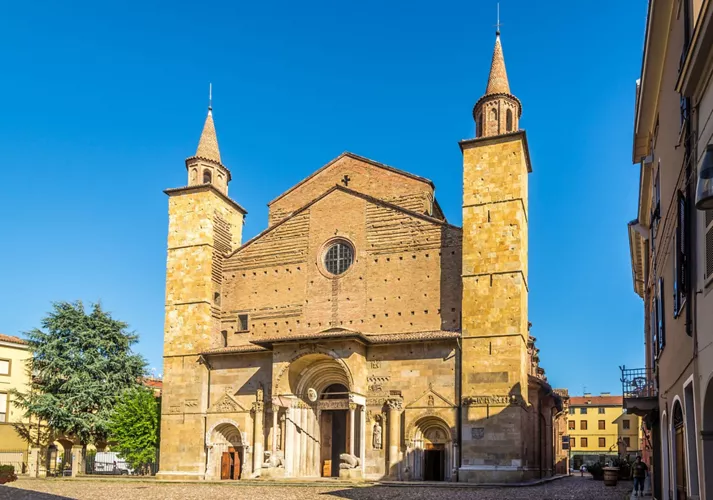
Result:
pixel 134 426
pixel 81 364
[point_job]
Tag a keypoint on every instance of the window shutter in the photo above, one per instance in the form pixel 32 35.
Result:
pixel 680 285
pixel 661 316
pixel 709 243
pixel 654 327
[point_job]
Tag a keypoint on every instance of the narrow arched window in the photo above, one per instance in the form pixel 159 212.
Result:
pixel 493 114
pixel 206 177
pixel 508 120
pixel 479 125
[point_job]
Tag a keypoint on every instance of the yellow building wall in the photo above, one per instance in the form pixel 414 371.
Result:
pixel 614 418
pixel 18 379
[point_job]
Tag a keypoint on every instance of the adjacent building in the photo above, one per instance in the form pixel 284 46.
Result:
pixel 599 428
pixel 360 322
pixel 14 354
pixel 671 243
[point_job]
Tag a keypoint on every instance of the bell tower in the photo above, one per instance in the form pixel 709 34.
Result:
pixel 205 166
pixel 498 111
pixel 494 358
pixel 204 225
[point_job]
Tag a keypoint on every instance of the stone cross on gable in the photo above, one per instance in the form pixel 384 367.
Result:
pixel 345 180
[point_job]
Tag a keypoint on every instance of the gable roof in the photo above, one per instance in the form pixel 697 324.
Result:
pixel 347 154
pixel 346 190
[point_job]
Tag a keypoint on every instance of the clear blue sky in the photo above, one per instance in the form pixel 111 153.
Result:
pixel 101 103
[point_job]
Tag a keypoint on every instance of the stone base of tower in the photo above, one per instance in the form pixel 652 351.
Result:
pixel 488 474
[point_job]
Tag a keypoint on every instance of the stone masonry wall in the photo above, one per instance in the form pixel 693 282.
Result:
pixel 495 322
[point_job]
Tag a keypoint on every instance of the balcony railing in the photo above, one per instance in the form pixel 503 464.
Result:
pixel 638 383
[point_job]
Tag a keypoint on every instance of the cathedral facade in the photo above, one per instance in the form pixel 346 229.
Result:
pixel 360 335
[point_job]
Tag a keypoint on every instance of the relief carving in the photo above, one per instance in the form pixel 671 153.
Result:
pixel 495 400
pixel 226 404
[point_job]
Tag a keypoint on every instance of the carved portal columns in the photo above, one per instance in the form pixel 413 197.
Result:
pixel 352 408
pixel 394 416
pixel 275 433
pixel 289 440
pixel 362 439
pixel 258 435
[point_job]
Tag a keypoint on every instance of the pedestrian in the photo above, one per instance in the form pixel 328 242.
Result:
pixel 639 471
pixel 582 469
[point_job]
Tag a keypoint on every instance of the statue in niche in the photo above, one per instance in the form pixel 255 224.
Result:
pixel 376 442
pixel 260 392
pixel 431 401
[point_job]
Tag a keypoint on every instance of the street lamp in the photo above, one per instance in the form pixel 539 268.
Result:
pixel 704 192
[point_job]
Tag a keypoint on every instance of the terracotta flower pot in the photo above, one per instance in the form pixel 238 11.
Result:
pixel 611 476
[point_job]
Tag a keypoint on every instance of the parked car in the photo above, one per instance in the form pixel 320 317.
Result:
pixel 108 462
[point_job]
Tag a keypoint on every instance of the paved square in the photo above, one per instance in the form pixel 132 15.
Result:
pixel 568 488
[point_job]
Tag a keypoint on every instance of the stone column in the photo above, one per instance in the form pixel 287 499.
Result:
pixel 289 440
pixel 303 440
pixel 296 445
pixel 362 440
pixel 77 460
pixel 309 430
pixel 352 408
pixel 34 462
pixel 258 435
pixel 394 416
pixel 275 423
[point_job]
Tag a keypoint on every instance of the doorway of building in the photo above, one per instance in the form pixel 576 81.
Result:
pixel 333 426
pixel 434 459
pixel 230 464
pixel 679 452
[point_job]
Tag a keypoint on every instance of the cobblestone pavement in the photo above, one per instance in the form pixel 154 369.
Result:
pixel 51 489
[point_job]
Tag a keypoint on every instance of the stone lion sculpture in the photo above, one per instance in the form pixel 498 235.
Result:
pixel 273 462
pixel 348 461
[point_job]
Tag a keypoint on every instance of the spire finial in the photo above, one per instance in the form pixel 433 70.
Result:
pixel 210 97
pixel 497 26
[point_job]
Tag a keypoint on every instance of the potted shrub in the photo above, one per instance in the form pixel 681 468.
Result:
pixel 7 474
pixel 596 470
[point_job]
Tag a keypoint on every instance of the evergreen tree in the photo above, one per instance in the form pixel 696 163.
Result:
pixel 81 364
pixel 134 426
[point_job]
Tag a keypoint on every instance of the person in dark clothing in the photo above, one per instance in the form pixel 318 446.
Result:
pixel 638 471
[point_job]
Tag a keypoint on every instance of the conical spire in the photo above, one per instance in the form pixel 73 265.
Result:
pixel 498 79
pixel 208 143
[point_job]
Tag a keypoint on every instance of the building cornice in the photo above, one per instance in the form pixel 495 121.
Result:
pixel 697 56
pixel 198 188
pixel 467 143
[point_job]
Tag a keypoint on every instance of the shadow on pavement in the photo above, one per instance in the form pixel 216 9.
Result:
pixel 19 494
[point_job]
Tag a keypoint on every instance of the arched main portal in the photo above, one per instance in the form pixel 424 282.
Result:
pixel 226 453
pixel 430 454
pixel 323 418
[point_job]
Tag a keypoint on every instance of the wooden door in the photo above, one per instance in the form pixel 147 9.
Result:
pixel 681 493
pixel 325 427
pixel 225 465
